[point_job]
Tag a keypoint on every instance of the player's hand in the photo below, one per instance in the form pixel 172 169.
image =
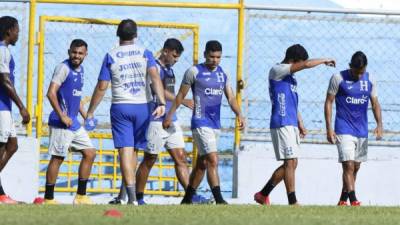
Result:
pixel 166 123
pixel 159 111
pixel 331 136
pixel 378 132
pixel 66 120
pixel 25 115
pixel 242 122
pixel 188 103
pixel 330 62
pixel 302 130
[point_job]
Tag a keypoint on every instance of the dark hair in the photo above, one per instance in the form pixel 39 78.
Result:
pixel 127 30
pixel 296 53
pixel 6 23
pixel 173 44
pixel 358 60
pixel 78 43
pixel 213 46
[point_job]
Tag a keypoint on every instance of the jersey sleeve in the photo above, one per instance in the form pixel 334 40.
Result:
pixel 151 61
pixel 190 76
pixel 279 71
pixel 60 74
pixel 334 83
pixel 105 71
pixel 5 58
pixel 374 92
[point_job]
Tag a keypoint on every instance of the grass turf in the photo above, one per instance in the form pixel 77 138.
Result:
pixel 198 214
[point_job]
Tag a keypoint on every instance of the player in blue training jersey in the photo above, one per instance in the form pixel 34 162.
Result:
pixel 286 124
pixel 352 89
pixel 208 82
pixel 66 133
pixel 9 30
pixel 130 68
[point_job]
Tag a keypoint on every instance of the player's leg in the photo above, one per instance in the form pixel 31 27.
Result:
pixel 290 166
pixel 181 167
pixel 7 150
pixel 51 178
pixel 142 175
pixel 213 177
pixel 195 178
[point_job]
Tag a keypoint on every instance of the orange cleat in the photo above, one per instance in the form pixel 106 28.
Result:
pixel 4 199
pixel 342 203
pixel 261 199
pixel 355 203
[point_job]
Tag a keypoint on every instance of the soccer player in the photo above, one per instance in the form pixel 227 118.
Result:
pixel 66 133
pixel 9 30
pixel 286 124
pixel 351 90
pixel 208 82
pixel 130 68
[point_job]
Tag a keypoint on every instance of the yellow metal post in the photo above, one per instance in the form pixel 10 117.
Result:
pixel 39 107
pixel 29 83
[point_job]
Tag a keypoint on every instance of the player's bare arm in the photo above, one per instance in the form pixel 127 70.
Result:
pixel 159 90
pixel 330 133
pixel 52 96
pixel 302 128
pixel 82 110
pixel 98 94
pixel 376 109
pixel 183 90
pixel 234 106
pixel 6 84
pixel 310 63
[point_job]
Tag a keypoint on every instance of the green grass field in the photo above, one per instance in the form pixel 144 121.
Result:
pixel 198 214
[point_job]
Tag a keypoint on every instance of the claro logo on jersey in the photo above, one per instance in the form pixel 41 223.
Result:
pixel 357 101
pixel 213 91
pixel 76 92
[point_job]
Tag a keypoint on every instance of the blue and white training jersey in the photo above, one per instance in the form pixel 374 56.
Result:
pixel 68 95
pixel 283 95
pixel 167 77
pixel 7 65
pixel 351 99
pixel 208 88
pixel 126 67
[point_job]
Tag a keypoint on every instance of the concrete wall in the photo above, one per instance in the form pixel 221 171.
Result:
pixel 318 176
pixel 20 178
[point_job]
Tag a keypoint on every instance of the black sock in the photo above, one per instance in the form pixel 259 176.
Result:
pixel 216 191
pixel 344 196
pixel 352 196
pixel 267 188
pixel 49 191
pixel 139 195
pixel 292 198
pixel 188 195
pixel 82 186
pixel 2 190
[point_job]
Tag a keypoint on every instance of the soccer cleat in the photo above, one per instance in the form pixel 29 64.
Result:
pixel 115 201
pixel 50 202
pixel 222 202
pixel 5 199
pixel 342 203
pixel 355 203
pixel 199 199
pixel 186 201
pixel 141 202
pixel 82 200
pixel 261 199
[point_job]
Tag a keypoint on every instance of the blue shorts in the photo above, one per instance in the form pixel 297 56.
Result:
pixel 129 123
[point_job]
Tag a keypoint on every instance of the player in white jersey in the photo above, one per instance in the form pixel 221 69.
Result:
pixel 129 67
pixel 9 31
pixel 352 90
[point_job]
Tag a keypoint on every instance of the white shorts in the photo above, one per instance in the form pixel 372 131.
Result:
pixel 158 138
pixel 206 139
pixel 352 148
pixel 286 141
pixel 63 140
pixel 7 127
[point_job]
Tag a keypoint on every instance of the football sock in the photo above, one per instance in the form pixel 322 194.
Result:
pixel 352 196
pixel 82 186
pixel 139 195
pixel 267 188
pixel 344 196
pixel 1 189
pixel 216 191
pixel 131 192
pixel 292 198
pixel 188 194
pixel 49 191
pixel 122 192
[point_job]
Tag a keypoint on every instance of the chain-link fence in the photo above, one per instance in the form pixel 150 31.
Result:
pixel 338 35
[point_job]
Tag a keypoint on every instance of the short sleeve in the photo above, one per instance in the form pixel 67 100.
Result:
pixel 334 83
pixel 5 58
pixel 190 76
pixel 374 92
pixel 279 71
pixel 105 71
pixel 60 74
pixel 151 62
